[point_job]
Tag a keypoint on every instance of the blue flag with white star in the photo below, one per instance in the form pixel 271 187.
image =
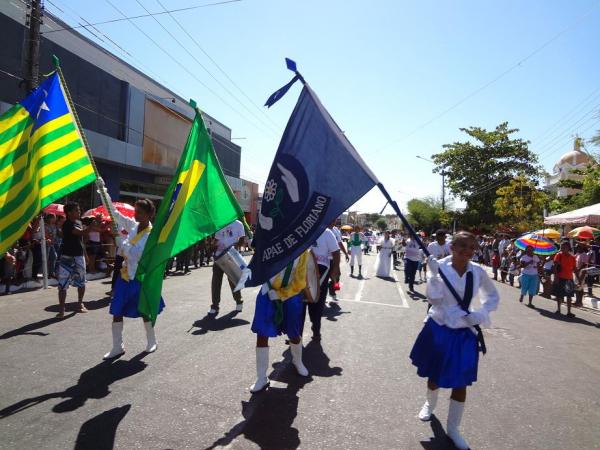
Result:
pixel 316 175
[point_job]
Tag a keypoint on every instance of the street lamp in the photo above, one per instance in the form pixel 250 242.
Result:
pixel 443 174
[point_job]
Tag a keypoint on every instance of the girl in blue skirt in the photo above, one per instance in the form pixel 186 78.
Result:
pixel 446 350
pixel 280 309
pixel 126 294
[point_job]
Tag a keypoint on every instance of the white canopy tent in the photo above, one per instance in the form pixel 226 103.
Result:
pixel 590 215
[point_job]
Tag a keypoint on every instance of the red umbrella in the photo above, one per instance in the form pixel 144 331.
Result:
pixel 584 232
pixel 124 208
pixel 55 208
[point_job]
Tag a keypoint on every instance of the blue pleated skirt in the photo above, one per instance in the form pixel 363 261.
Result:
pixel 447 356
pixel 265 310
pixel 126 298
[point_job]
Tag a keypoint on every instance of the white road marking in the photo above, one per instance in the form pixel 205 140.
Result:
pixel 361 283
pixel 368 302
pixel 400 291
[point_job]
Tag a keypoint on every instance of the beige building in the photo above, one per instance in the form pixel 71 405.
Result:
pixel 564 167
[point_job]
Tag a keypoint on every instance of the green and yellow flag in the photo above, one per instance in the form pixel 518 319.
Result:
pixel 42 158
pixel 197 203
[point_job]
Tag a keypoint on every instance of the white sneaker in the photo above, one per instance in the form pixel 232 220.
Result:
pixel 239 307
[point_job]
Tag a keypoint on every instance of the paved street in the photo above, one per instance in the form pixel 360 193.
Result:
pixel 538 388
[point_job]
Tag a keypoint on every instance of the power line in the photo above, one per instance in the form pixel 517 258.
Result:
pixel 493 80
pixel 589 97
pixel 127 55
pixel 195 41
pixel 182 66
pixel 204 67
pixel 144 15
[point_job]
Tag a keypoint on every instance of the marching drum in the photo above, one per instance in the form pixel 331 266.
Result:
pixel 311 291
pixel 232 263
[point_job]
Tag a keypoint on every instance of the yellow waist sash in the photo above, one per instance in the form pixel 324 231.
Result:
pixel 134 241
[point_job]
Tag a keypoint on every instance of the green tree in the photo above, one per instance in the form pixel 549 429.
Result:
pixel 475 169
pixel 381 224
pixel 372 218
pixel 425 213
pixel 520 204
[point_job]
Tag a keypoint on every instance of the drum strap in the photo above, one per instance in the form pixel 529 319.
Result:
pixel 287 274
pixel 279 304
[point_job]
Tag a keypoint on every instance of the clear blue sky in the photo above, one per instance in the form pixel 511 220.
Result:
pixel 382 68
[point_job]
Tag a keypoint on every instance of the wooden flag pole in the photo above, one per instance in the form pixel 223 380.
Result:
pixel 100 188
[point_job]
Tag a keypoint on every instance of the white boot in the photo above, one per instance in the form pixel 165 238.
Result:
pixel 151 347
pixel 455 412
pixel 117 335
pixel 429 406
pixel 262 364
pixel 297 358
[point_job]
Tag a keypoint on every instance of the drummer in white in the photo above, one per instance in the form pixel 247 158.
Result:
pixel 327 252
pixel 439 249
pixel 232 235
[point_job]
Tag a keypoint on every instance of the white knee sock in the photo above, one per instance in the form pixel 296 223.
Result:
pixel 429 406
pixel 455 413
pixel 151 336
pixel 262 364
pixel 117 337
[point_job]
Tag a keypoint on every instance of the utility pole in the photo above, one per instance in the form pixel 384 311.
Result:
pixel 32 73
pixel 443 190
pixel 443 174
pixel 32 45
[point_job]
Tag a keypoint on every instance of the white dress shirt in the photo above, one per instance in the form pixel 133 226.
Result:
pixel 445 310
pixel 229 235
pixel 131 252
pixel 439 251
pixel 412 250
pixel 324 247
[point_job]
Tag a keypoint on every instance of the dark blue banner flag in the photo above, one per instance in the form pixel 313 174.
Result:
pixel 316 175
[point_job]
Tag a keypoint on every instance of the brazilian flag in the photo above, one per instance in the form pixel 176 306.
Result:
pixel 197 203
pixel 42 158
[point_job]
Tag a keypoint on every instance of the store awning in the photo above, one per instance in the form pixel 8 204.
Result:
pixel 590 215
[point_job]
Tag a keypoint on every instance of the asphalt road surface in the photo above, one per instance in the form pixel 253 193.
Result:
pixel 538 388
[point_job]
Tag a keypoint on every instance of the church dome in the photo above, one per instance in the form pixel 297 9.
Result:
pixel 575 157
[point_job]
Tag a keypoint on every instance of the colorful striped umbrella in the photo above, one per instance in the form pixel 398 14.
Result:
pixel 549 233
pixel 584 233
pixel 541 246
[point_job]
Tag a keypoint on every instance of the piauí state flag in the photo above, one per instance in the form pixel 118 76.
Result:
pixel 42 158
pixel 197 203
pixel 316 175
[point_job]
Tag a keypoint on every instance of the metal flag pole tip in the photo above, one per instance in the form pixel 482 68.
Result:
pixel 193 104
pixel 291 64
pixel 55 61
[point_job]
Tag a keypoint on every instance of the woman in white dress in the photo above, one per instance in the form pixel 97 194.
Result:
pixel 384 263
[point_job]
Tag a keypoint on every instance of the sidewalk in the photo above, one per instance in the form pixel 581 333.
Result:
pixel 31 284
pixel 592 303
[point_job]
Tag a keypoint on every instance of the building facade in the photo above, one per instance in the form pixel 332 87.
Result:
pixel 576 159
pixel 136 127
